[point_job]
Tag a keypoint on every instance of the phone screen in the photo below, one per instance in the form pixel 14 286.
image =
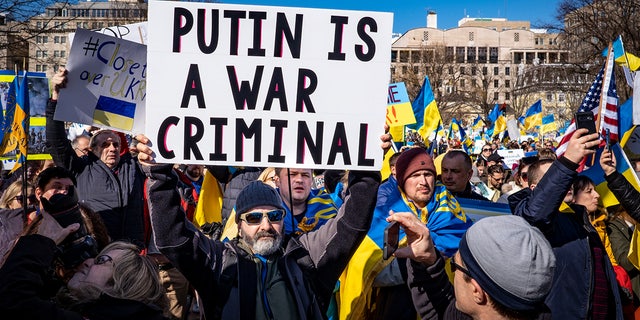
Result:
pixel 391 239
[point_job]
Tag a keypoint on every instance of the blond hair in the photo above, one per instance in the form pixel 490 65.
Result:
pixel 12 191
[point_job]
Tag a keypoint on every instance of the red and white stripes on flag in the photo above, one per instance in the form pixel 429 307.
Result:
pixel 604 83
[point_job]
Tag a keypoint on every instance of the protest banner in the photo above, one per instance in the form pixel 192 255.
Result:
pixel 267 86
pixel 399 110
pixel 511 156
pixel 135 32
pixel 106 83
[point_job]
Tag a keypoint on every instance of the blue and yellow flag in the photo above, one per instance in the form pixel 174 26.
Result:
pixel 426 111
pixel 500 125
pixel 209 207
pixel 17 135
pixel 114 113
pixel 621 56
pixel 494 114
pixel 478 123
pixel 533 116
pixel 548 124
pixel 625 126
pixel 596 174
pixel 446 222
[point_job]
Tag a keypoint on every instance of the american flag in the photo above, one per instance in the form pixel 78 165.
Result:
pixel 591 103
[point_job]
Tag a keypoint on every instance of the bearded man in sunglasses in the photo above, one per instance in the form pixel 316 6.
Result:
pixel 263 273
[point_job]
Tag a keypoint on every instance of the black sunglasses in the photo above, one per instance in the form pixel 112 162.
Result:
pixel 455 266
pixel 487 149
pixel 255 217
pixel 32 198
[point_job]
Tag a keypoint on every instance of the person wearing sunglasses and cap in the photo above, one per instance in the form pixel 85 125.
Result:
pixel 263 273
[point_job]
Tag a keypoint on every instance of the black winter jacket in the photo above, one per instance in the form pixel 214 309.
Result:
pixel 311 263
pixel 116 195
pixel 22 289
pixel 568 234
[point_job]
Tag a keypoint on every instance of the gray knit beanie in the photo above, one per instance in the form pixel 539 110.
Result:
pixel 256 194
pixel 511 261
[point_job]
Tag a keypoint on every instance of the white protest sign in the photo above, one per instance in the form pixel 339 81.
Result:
pixel 511 156
pixel 267 86
pixel 136 32
pixel 106 83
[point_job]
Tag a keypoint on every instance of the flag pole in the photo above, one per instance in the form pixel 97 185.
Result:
pixel 603 97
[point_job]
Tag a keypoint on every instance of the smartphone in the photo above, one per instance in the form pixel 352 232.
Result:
pixel 585 120
pixel 391 239
pixel 607 139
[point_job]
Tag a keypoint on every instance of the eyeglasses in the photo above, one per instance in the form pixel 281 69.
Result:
pixel 32 198
pixel 455 266
pixel 253 218
pixel 487 149
pixel 102 259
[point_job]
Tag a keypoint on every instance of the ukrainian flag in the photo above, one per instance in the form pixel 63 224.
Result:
pixel 533 116
pixel 499 126
pixel 625 116
pixel 114 113
pixel 622 57
pixel 446 222
pixel 478 123
pixel 426 111
pixel 454 128
pixel 548 124
pixel 16 136
pixel 596 174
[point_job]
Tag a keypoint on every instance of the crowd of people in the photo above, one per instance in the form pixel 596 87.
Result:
pixel 104 232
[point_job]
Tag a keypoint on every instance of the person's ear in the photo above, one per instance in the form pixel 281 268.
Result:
pixel 479 296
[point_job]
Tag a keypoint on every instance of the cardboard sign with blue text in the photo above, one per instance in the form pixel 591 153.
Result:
pixel 267 86
pixel 106 83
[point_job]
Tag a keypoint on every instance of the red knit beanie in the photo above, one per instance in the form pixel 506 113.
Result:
pixel 413 160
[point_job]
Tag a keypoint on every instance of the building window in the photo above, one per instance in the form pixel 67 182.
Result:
pixel 425 34
pixel 62 54
pixel 549 96
pixel 495 96
pixel 474 71
pixel 39 24
pixel 38 68
pixel 471 36
pixel 507 83
pixel 38 39
pixel 507 96
pixel 462 70
pixel 56 53
pixel 482 55
pixel 450 70
pixel 44 68
pixel 44 53
pixel 561 97
pixel 484 71
pixel 471 54
pixel 415 69
pixel 496 71
pixel 448 54
pixel 460 54
pixel 496 83
pixel 507 71
pixel 462 83
pixel 474 82
pixel 56 39
pixel 493 54
pixel 516 37
pixel 38 54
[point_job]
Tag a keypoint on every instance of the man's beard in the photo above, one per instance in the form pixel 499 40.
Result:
pixel 268 245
